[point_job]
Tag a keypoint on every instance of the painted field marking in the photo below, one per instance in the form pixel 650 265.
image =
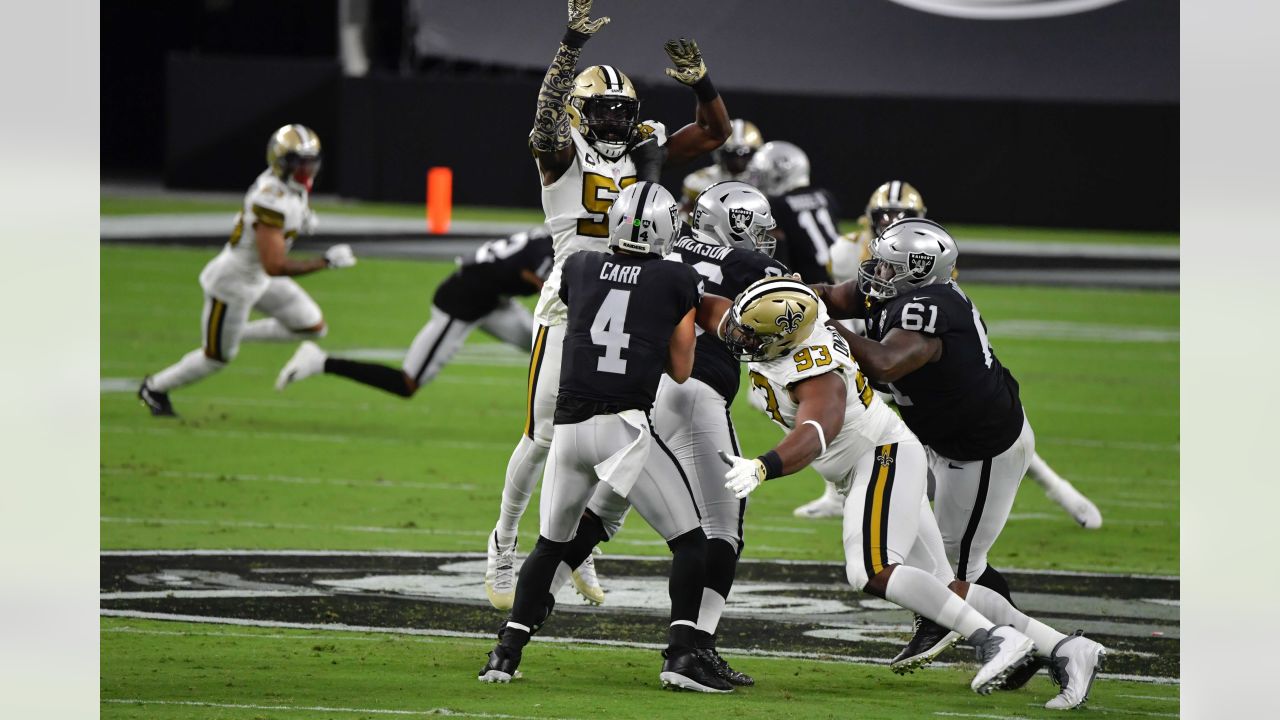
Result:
pixel 1082 332
pixel 941 713
pixel 1111 444
pixel 449 712
pixel 309 437
pixel 1151 697
pixel 290 479
pixel 1105 709
pixel 1105 409
pixel 291 526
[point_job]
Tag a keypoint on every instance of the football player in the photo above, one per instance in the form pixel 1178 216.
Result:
pixel 803 378
pixel 254 272
pixel 588 145
pixel 478 294
pixel 631 316
pixel 806 229
pixel 730 162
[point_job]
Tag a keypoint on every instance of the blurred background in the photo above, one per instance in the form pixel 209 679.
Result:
pixel 1054 120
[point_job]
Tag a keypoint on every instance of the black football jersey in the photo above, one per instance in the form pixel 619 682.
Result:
pixel 725 271
pixel 622 311
pixel 492 272
pixel 808 217
pixel 965 406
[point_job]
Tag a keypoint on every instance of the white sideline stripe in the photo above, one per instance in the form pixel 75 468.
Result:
pixel 1110 444
pixel 1081 332
pixel 941 713
pixel 310 437
pixel 431 632
pixel 203 594
pixel 434 712
pixel 242 552
pixel 290 526
pixel 1151 697
pixel 290 479
pixel 1106 709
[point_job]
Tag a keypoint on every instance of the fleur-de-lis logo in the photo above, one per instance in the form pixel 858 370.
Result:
pixel 790 318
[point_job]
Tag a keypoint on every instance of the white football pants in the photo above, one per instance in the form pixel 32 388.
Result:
pixel 443 335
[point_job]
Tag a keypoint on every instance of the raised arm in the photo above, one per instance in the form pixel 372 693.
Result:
pixel 550 139
pixel 710 126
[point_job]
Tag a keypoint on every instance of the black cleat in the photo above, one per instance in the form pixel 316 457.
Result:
pixel 720 667
pixel 501 666
pixel 684 670
pixel 1023 675
pixel 156 401
pixel 928 642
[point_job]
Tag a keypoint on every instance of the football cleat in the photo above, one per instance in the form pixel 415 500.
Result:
pixel 1020 677
pixel 711 658
pixel 928 642
pixel 501 666
pixel 684 670
pixel 157 402
pixel 1001 650
pixel 586 582
pixel 500 574
pixel 1073 665
pixel 830 504
pixel 307 360
pixel 1080 508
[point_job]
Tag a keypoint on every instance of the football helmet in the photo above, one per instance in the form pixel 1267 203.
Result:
pixel 769 319
pixel 604 108
pixel 909 254
pixel 293 154
pixel 744 140
pixel 892 202
pixel 735 214
pixel 644 219
pixel 779 167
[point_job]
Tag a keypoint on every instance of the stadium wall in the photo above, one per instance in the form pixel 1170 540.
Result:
pixel 1003 162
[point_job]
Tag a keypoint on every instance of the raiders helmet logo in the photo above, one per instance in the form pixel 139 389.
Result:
pixel 920 264
pixel 740 219
pixel 789 320
pixel 675 217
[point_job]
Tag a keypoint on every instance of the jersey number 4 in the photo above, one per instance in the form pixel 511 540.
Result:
pixel 607 331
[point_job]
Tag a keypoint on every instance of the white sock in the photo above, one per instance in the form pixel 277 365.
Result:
pixel 922 593
pixel 993 605
pixel 524 469
pixel 192 367
pixel 1044 475
pixel 563 574
pixel 710 611
pixel 831 493
pixel 272 330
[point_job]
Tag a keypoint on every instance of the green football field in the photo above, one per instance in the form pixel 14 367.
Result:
pixel 331 465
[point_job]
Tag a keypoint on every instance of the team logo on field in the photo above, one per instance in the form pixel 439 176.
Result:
pixel 740 219
pixel 920 264
pixel 789 320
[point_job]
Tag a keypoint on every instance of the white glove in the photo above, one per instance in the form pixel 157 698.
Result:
pixel 744 475
pixel 310 222
pixel 340 256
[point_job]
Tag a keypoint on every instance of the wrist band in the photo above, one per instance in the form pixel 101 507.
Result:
pixel 574 39
pixel 822 437
pixel 705 91
pixel 772 464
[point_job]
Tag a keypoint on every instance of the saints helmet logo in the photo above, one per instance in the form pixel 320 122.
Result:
pixel 884 460
pixel 740 219
pixel 790 319
pixel 920 264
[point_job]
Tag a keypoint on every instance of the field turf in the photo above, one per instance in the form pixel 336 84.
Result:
pixel 329 464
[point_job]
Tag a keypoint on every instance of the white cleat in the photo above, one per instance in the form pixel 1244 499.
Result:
pixel 831 504
pixel 500 574
pixel 1073 665
pixel 586 582
pixel 1080 508
pixel 307 360
pixel 1001 650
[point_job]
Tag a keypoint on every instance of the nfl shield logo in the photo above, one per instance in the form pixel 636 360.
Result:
pixel 740 219
pixel 920 264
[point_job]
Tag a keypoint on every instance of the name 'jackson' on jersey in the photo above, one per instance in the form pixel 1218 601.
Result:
pixel 622 312
pixel 727 272
pixel 964 406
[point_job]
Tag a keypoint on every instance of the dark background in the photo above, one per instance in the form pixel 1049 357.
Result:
pixel 1067 137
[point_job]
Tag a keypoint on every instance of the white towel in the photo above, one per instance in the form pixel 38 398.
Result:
pixel 622 468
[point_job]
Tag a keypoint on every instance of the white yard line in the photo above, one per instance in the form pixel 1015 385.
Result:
pixel 1110 444
pixel 430 712
pixel 287 479
pixel 308 437
pixel 292 526
pixel 1151 697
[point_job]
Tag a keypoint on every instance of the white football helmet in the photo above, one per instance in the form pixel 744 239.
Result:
pixel 779 167
pixel 735 214
pixel 644 219
pixel 909 254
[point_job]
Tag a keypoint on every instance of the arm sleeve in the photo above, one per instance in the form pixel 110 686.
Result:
pixel 551 121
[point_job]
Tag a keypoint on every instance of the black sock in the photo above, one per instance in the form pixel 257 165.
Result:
pixel 590 533
pixel 534 584
pixel 704 639
pixel 688 571
pixel 373 374
pixel 993 580
pixel 722 566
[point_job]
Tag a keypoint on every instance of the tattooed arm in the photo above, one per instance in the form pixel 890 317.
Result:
pixel 550 139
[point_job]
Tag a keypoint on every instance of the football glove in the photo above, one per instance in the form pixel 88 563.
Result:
pixel 310 222
pixel 340 256
pixel 580 20
pixel 744 475
pixel 687 59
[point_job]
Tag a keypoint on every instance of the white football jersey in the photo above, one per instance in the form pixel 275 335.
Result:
pixel 577 211
pixel 237 270
pixel 868 422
